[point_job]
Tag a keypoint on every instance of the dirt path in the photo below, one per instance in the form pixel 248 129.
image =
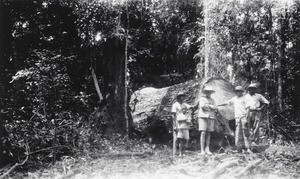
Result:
pixel 160 164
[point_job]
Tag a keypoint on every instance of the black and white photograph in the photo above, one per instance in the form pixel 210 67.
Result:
pixel 149 89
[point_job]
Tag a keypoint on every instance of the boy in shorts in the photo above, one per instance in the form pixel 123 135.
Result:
pixel 183 121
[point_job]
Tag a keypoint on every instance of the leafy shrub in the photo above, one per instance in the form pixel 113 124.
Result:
pixel 51 128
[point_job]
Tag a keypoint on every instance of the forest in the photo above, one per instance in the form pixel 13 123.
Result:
pixel 70 69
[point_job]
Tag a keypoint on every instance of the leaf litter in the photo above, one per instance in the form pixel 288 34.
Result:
pixel 144 161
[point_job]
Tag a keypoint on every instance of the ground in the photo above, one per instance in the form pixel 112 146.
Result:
pixel 156 161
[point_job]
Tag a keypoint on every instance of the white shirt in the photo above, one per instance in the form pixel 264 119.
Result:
pixel 240 106
pixel 181 119
pixel 204 110
pixel 254 101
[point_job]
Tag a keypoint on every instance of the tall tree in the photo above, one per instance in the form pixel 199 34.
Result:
pixel 125 74
pixel 207 43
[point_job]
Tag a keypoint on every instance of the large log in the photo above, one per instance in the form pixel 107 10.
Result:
pixel 156 103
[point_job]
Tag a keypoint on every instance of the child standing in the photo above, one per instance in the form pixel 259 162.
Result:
pixel 182 120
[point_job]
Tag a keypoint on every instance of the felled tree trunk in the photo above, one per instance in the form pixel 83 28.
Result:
pixel 156 103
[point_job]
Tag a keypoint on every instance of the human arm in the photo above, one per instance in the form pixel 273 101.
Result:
pixel 261 107
pixel 194 108
pixel 205 105
pixel 263 101
pixel 229 102
pixel 222 104
pixel 174 112
pixel 213 105
pixel 181 118
pixel 248 115
pixel 173 116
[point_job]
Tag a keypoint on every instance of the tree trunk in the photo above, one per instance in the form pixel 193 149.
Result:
pixel 5 47
pixel 232 61
pixel 280 86
pixel 281 54
pixel 96 85
pixel 154 105
pixel 114 55
pixel 207 38
pixel 125 104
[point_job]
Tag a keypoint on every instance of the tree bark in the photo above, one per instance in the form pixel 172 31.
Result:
pixel 125 75
pixel 221 168
pixel 248 167
pixel 232 61
pixel 5 70
pixel 207 40
pixel 281 54
pixel 96 85
pixel 280 86
pixel 114 55
pixel 152 103
pixel 2 157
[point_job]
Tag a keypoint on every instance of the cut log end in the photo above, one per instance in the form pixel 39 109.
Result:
pixel 149 103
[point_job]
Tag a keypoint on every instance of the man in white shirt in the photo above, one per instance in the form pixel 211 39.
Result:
pixel 255 103
pixel 206 118
pixel 240 113
pixel 182 121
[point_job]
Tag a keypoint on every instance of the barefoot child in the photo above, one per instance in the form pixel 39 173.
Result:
pixel 183 120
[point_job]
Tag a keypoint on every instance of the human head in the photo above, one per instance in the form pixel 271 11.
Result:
pixel 252 88
pixel 239 91
pixel 208 90
pixel 180 97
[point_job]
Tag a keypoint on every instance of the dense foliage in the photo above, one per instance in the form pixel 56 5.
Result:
pixel 49 49
pixel 258 40
pixel 50 103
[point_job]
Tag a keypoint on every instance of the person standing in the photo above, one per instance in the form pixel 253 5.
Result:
pixel 242 131
pixel 206 118
pixel 255 103
pixel 181 120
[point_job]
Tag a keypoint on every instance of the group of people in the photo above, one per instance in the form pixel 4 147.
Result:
pixel 247 113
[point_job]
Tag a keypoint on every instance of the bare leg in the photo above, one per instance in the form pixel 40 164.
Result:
pixel 202 141
pixel 174 143
pixel 207 143
pixel 185 146
pixel 180 146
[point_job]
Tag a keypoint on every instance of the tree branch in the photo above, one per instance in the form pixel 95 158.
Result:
pixel 248 167
pixel 17 164
pixel 96 85
pixel 220 169
pixel 48 148
pixel 13 167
